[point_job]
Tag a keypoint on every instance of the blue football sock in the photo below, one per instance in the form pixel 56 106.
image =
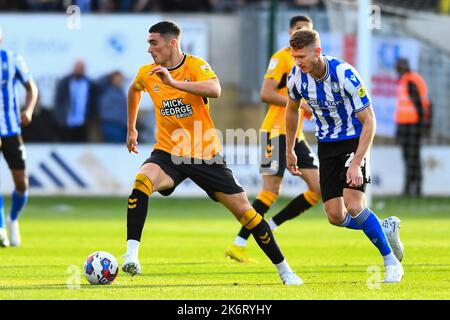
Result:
pixel 18 203
pixel 350 223
pixel 2 213
pixel 372 229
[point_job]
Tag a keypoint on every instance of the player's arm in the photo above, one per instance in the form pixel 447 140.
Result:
pixel 307 111
pixel 367 119
pixel 291 119
pixel 270 95
pixel 133 101
pixel 30 101
pixel 209 88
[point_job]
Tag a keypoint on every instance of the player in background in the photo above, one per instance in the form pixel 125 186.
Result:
pixel 13 70
pixel 273 148
pixel 345 127
pixel 180 86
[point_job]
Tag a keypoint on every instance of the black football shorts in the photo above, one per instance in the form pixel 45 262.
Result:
pixel 334 159
pixel 210 175
pixel 273 155
pixel 13 150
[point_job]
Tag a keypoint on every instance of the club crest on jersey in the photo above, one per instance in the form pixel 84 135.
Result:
pixel 334 86
pixel 156 88
pixel 177 108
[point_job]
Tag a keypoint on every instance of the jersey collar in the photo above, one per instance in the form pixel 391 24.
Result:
pixel 327 71
pixel 180 64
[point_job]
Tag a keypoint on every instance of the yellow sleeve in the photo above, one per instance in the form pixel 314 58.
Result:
pixel 275 70
pixel 202 70
pixel 139 82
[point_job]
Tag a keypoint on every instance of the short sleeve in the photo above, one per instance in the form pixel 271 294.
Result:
pixel 292 90
pixel 276 68
pixel 202 70
pixel 139 82
pixel 22 72
pixel 355 87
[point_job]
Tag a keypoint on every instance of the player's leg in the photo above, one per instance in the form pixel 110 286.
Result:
pixel 266 198
pixel 272 169
pixel 302 202
pixel 262 203
pixel 308 166
pixel 239 205
pixel 150 178
pixel 371 226
pixel 4 241
pixel 15 154
pixel 19 199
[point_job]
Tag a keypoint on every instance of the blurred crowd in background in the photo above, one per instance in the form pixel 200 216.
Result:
pixel 141 5
pixel 136 6
pixel 85 110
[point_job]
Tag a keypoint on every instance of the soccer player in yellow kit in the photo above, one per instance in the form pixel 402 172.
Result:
pixel 273 148
pixel 187 145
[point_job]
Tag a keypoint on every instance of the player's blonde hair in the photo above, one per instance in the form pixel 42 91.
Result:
pixel 303 38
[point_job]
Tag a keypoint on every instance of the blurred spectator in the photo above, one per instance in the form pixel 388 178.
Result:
pixel 85 5
pixel 412 117
pixel 185 6
pixel 112 108
pixel 75 105
pixel 8 5
pixel 44 5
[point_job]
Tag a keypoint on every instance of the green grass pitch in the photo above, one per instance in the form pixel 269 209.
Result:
pixel 182 253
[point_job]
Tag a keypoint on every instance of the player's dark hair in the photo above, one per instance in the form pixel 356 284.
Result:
pixel 299 18
pixel 166 29
pixel 303 38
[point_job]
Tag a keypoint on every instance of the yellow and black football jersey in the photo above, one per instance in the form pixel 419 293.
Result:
pixel 183 124
pixel 281 64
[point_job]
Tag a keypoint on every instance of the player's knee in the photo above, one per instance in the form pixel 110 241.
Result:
pixel 354 209
pixel 273 186
pixel 335 217
pixel 143 184
pixel 22 186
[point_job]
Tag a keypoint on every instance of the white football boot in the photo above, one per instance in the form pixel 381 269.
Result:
pixel 290 278
pixel 391 227
pixel 4 242
pixel 14 233
pixel 393 274
pixel 131 265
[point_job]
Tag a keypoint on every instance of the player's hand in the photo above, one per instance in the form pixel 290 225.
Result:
pixel 132 141
pixel 163 74
pixel 25 117
pixel 291 163
pixel 354 176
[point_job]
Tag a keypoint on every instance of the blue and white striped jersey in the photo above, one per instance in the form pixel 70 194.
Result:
pixel 13 69
pixel 335 99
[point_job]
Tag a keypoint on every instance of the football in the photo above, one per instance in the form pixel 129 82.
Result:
pixel 101 268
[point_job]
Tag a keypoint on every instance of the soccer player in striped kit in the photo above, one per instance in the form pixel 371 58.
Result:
pixel 273 144
pixel 13 70
pixel 345 127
